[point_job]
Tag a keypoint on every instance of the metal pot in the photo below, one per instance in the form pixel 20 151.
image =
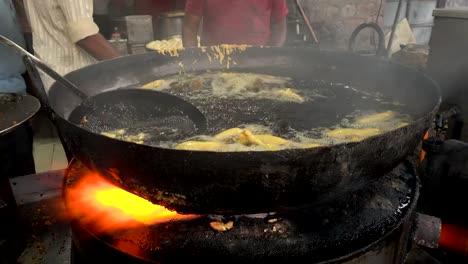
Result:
pixel 170 24
pixel 262 181
pixel 15 109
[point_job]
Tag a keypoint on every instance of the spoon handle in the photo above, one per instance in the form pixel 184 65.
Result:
pixel 57 77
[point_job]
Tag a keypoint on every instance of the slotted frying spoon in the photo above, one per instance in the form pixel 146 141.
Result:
pixel 166 116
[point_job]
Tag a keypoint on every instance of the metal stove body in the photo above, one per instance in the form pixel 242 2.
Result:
pixel 372 225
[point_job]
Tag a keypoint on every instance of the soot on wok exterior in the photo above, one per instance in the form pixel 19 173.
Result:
pixel 249 182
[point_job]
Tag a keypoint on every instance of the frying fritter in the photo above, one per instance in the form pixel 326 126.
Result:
pixel 187 86
pixel 247 138
pixel 272 140
pixel 228 134
pixel 201 145
pixel 256 86
pixel 154 85
pixel 122 135
pixel 353 134
pixel 376 118
pixel 311 145
pixel 288 95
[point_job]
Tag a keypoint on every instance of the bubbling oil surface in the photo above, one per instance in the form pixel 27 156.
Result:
pixel 307 113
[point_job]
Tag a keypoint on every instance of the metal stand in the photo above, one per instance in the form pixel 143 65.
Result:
pixel 11 236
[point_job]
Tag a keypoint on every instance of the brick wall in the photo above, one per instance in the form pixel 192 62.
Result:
pixel 456 3
pixel 335 20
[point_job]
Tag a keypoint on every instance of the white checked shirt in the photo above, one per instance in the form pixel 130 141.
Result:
pixel 56 26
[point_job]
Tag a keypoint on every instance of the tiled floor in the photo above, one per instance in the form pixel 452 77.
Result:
pixel 48 150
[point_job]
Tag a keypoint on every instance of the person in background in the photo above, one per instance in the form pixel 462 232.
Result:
pixel 256 22
pixel 24 22
pixel 65 35
pixel 16 147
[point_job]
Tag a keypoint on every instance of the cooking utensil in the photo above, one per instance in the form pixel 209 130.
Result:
pixel 170 24
pixel 15 109
pixel 139 28
pixel 306 20
pixel 263 181
pixel 124 108
pixel 57 77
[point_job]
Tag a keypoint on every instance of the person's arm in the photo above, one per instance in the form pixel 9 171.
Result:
pixel 190 30
pixel 278 23
pixel 98 47
pixel 193 16
pixel 83 31
pixel 278 32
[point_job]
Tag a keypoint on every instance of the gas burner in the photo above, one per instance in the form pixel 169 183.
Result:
pixel 371 222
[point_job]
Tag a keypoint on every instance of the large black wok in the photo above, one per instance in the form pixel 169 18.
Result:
pixel 252 182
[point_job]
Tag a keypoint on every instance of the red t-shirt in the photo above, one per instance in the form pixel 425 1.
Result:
pixel 237 21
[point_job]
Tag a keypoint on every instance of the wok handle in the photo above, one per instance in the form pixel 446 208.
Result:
pixel 37 90
pixel 37 87
pixel 381 45
pixel 442 119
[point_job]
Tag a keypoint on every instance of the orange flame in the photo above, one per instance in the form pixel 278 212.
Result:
pixel 95 201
